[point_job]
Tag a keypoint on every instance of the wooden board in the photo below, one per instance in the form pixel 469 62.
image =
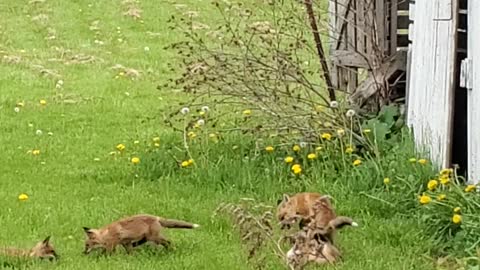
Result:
pixel 431 86
pixel 474 92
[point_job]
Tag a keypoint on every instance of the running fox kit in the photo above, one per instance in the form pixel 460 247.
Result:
pixel 130 232
pixel 43 250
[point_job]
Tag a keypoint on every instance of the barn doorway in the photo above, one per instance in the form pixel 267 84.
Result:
pixel 460 132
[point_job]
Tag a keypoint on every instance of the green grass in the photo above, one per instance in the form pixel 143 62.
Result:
pixel 69 189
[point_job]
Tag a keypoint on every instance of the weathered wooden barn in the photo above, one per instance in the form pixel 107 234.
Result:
pixel 427 51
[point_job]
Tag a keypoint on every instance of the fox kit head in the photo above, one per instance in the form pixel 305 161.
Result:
pixel 44 250
pixel 286 211
pixel 93 241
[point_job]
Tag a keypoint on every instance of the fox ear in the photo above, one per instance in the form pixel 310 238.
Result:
pixel 88 231
pixel 286 198
pixel 46 240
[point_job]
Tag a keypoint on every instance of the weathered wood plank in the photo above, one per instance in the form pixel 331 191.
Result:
pixel 332 12
pixel 431 85
pixel 349 58
pixel 474 93
pixel 380 18
pixel 360 11
pixel 393 26
pixel 379 76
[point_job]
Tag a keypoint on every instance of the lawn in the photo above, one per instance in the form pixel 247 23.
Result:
pixel 76 181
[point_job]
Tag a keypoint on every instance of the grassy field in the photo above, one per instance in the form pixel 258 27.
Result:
pixel 75 181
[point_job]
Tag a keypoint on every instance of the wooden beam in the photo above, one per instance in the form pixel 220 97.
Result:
pixel 349 59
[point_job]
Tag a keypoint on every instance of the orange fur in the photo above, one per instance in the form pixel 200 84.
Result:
pixel 300 207
pixel 130 232
pixel 43 250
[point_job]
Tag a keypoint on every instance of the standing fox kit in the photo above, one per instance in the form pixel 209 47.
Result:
pixel 130 232
pixel 298 207
pixel 42 250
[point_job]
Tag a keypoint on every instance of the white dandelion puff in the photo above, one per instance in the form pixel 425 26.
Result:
pixel 38 132
pixel 201 122
pixel 50 133
pixel 303 144
pixel 59 84
pixel 147 49
pixel 185 110
pixel 205 109
pixel 350 113
pixel 17 109
pixel 334 104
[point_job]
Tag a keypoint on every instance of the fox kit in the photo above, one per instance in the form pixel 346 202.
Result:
pixel 42 250
pixel 298 207
pixel 130 232
pixel 324 222
pixel 314 243
pixel 309 250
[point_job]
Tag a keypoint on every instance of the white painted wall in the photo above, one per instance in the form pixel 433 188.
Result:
pixel 431 86
pixel 474 92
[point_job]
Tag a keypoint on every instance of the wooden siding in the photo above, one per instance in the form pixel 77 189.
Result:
pixel 431 77
pixel 474 92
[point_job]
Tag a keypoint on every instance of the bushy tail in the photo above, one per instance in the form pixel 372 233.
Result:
pixel 172 223
pixel 340 222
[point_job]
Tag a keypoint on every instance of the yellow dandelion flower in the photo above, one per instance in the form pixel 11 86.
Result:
pixel 190 161
pixel 247 112
pixel 412 160
pixel 441 197
pixel 457 209
pixel 327 136
pixel 386 180
pixel 357 162
pixel 202 113
pixel 457 219
pixel 20 104
pixel 319 108
pixel 422 161
pixel 269 149
pixel 349 150
pixel 135 160
pixel 312 156
pixel 297 169
pixel 470 188
pixel 425 199
pixel 156 139
pixel 156 145
pixel 318 149
pixel 296 148
pixel 191 134
pixel 367 130
pixel 23 197
pixel 446 171
pixel 120 147
pixel 36 152
pixel 432 185
pixel 288 160
pixel 444 180
pixel 340 132
pixel 43 102
pixel 185 164
pixel 136 142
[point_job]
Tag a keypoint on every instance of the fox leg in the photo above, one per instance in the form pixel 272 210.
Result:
pixel 160 240
pixel 128 247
